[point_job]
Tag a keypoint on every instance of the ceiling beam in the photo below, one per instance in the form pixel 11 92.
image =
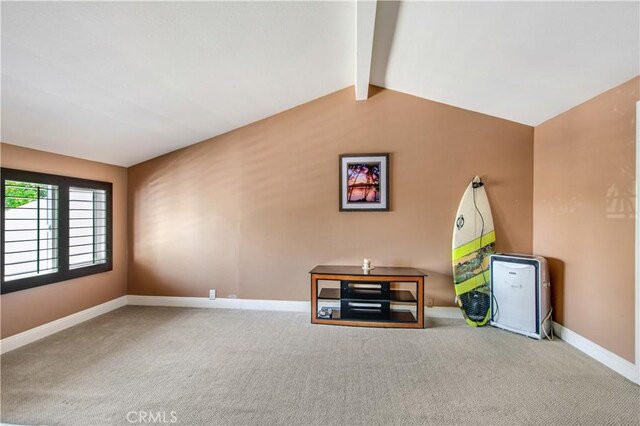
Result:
pixel 365 25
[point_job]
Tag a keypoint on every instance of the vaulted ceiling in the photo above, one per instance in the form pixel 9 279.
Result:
pixel 523 61
pixel 123 82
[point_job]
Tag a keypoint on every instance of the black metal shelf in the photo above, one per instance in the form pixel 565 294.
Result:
pixel 396 295
pixel 394 315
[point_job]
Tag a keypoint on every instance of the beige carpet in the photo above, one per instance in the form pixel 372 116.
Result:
pixel 213 366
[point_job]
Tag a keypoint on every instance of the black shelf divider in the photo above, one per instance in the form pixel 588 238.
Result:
pixel 396 295
pixel 395 316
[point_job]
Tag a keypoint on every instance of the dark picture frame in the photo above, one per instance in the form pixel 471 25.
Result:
pixel 364 182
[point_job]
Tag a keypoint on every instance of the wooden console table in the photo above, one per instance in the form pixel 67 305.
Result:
pixel 383 297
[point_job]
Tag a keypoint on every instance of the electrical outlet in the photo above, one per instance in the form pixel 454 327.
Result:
pixel 212 295
pixel 429 302
pixel 232 296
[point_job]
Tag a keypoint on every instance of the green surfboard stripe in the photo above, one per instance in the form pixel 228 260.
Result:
pixel 474 245
pixel 471 283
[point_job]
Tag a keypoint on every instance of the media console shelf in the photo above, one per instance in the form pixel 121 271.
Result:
pixel 382 297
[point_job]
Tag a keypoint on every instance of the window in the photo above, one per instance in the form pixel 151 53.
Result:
pixel 54 228
pixel 31 229
pixel 87 227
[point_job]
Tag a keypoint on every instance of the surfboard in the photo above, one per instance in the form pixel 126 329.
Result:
pixel 474 239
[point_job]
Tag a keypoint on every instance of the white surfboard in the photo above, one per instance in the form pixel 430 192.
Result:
pixel 473 242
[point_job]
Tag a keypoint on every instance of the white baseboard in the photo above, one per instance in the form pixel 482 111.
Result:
pixel 597 352
pixel 443 312
pixel 258 304
pixel 17 340
pixel 223 303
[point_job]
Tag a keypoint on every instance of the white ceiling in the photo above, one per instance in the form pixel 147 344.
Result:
pixel 124 82
pixel 523 61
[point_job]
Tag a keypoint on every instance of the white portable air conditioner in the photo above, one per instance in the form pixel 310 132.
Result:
pixel 521 294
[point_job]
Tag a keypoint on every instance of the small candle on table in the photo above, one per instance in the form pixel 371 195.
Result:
pixel 367 264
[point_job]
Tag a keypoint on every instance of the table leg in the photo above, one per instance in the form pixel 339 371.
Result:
pixel 314 298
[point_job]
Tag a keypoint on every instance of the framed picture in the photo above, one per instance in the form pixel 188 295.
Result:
pixel 364 182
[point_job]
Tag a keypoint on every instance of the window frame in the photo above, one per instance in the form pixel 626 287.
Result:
pixel 63 273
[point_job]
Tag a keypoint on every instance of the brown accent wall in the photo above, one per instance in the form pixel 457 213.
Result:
pixel 252 211
pixel 584 215
pixel 30 308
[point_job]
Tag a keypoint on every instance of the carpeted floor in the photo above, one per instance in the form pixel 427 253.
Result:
pixel 214 366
